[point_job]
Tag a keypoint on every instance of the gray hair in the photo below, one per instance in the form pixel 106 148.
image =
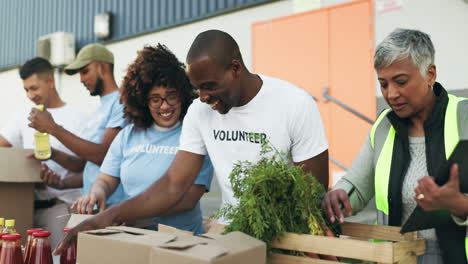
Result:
pixel 405 43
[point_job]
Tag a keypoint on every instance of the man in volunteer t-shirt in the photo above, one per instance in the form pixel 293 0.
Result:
pixel 38 81
pixel 237 111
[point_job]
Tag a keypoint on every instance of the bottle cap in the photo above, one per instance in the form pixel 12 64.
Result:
pixel 10 223
pixel 31 231
pixel 40 107
pixel 11 237
pixel 41 234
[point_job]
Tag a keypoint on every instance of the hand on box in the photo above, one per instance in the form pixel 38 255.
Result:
pixel 85 204
pixel 41 121
pixel 98 221
pixel 50 177
pixel 332 205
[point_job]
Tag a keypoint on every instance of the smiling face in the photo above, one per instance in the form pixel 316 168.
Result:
pixel 38 88
pixel 91 78
pixel 218 86
pixel 164 105
pixel 406 91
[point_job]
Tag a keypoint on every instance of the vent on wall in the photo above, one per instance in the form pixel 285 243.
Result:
pixel 58 48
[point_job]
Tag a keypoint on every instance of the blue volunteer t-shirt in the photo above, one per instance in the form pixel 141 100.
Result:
pixel 108 115
pixel 139 157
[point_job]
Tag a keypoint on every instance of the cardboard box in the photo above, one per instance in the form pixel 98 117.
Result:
pixel 132 245
pixel 18 176
pixel 212 226
pixel 76 219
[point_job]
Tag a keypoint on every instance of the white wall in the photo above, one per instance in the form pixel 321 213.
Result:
pixel 177 39
pixel 13 95
pixel 447 24
pixel 445 21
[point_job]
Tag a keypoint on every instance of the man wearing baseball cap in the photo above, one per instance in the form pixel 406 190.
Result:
pixel 95 64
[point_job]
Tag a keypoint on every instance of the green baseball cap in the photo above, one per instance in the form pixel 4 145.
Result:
pixel 88 54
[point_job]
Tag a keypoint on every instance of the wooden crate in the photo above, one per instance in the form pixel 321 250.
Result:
pixel 353 244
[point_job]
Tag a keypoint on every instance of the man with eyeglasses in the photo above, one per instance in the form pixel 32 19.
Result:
pixel 95 64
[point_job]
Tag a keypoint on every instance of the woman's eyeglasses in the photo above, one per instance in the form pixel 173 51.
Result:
pixel 156 101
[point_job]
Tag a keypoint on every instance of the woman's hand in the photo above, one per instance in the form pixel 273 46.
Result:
pixel 85 205
pixel 430 196
pixel 333 202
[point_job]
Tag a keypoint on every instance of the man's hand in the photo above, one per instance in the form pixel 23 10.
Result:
pixel 98 221
pixel 85 204
pixel 41 121
pixel 50 177
pixel 430 196
pixel 332 203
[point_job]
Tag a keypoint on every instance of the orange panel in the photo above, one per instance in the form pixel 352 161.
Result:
pixel 330 47
pixel 284 48
pixel 294 49
pixel 351 78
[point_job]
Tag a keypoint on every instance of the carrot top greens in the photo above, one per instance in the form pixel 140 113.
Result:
pixel 274 198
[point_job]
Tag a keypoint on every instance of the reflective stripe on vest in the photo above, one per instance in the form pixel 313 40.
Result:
pixel 384 161
pixel 451 136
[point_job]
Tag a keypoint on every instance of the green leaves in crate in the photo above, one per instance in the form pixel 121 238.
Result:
pixel 274 198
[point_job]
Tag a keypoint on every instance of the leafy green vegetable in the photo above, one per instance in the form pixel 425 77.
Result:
pixel 274 198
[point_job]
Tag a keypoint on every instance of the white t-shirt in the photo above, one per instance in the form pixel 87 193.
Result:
pixel 17 132
pixel 281 112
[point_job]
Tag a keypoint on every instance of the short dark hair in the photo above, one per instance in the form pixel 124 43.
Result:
pixel 216 44
pixel 36 65
pixel 154 66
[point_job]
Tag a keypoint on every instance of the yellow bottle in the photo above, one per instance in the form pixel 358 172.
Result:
pixel 42 149
pixel 2 224
pixel 10 226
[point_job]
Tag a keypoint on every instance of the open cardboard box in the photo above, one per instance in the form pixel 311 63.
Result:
pixel 18 176
pixel 132 245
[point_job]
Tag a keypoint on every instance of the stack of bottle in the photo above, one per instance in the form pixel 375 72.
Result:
pixel 37 249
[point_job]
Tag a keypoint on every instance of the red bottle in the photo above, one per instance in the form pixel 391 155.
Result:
pixel 40 249
pixel 69 254
pixel 27 250
pixel 1 240
pixel 11 250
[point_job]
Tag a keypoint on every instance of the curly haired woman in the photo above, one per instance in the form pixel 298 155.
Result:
pixel 156 94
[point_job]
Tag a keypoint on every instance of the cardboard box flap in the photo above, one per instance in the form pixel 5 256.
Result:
pixel 132 230
pixel 201 251
pixel 183 243
pixel 179 244
pixel 211 235
pixel 238 242
pixel 17 168
pixel 129 234
pixel 103 232
pixel 76 219
pixel 170 229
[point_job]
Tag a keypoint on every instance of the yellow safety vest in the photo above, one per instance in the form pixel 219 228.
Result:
pixel 384 160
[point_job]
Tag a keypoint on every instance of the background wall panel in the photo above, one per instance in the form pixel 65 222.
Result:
pixel 24 21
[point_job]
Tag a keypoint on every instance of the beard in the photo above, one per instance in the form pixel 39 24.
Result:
pixel 99 87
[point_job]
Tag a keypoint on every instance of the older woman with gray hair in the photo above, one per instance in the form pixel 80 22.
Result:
pixel 411 140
